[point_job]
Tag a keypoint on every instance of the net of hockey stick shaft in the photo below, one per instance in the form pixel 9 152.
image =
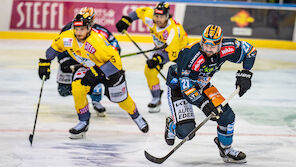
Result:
pixel 162 159
pixel 127 34
pixel 32 135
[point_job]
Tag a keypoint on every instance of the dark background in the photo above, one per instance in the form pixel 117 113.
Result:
pixel 268 23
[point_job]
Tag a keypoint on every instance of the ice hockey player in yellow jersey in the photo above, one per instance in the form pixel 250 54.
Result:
pixel 165 31
pixel 99 63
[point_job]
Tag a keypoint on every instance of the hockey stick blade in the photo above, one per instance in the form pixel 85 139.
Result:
pixel 161 160
pixel 155 159
pixel 31 139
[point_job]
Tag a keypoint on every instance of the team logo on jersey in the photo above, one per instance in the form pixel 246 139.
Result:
pixel 198 63
pixel 68 42
pixel 88 47
pixel 165 35
pixel 226 50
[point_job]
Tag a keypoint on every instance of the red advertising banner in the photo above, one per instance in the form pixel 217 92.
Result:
pixel 53 15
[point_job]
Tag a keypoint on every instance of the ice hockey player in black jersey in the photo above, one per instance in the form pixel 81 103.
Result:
pixel 65 73
pixel 189 84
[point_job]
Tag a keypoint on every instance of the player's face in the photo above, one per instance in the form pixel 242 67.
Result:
pixel 81 32
pixel 160 20
pixel 210 49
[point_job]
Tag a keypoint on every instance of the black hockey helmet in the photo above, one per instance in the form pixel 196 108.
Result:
pixel 85 17
pixel 162 8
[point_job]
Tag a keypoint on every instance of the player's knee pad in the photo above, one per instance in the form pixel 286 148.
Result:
pixel 64 89
pixel 96 94
pixel 115 87
pixel 183 129
pixel 227 117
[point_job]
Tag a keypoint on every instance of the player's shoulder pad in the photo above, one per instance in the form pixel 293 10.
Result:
pixel 195 47
pixel 97 38
pixel 99 27
pixel 187 53
pixel 228 42
pixel 144 9
pixel 192 44
pixel 174 21
pixel 228 47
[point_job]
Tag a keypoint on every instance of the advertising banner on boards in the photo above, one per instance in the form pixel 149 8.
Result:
pixel 53 15
pixel 241 22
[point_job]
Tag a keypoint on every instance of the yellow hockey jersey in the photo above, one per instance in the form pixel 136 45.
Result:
pixel 173 34
pixel 95 50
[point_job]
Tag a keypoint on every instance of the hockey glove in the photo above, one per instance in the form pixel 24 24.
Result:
pixel 172 80
pixel 92 77
pixel 155 61
pixel 208 107
pixel 243 80
pixel 123 23
pixel 66 63
pixel 44 68
pixel 210 103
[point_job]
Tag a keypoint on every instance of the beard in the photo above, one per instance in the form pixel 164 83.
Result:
pixel 209 53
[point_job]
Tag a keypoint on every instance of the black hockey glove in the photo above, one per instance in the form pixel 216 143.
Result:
pixel 243 80
pixel 155 61
pixel 66 64
pixel 92 77
pixel 123 23
pixel 172 80
pixel 208 107
pixel 44 68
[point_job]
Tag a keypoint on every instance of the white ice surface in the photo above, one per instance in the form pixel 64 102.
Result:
pixel 264 130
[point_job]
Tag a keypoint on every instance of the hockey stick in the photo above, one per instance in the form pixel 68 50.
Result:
pixel 127 34
pixel 145 51
pixel 72 67
pixel 32 135
pixel 162 159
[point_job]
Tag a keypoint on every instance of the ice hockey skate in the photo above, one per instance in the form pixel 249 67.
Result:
pixel 78 132
pixel 229 155
pixel 155 104
pixel 142 124
pixel 100 109
pixel 169 134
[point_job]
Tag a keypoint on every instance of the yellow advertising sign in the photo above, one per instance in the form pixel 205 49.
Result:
pixel 242 18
